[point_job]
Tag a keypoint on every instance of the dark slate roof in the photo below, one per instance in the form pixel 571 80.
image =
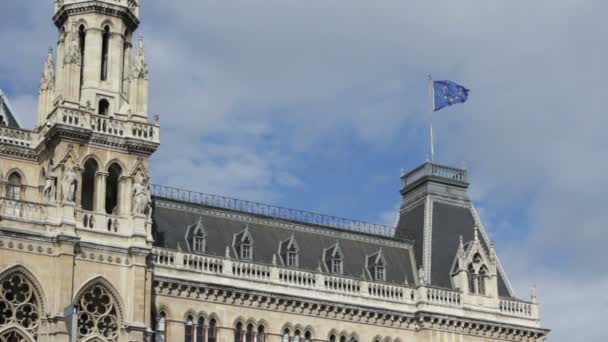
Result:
pixel 172 219
pixel 449 222
pixel 7 114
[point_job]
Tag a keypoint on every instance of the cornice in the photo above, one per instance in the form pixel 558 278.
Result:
pixel 420 320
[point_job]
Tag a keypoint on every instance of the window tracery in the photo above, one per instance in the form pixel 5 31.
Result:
pixel 13 187
pixel 18 305
pixel 98 314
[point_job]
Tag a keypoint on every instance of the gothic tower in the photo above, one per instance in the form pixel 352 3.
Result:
pixel 75 203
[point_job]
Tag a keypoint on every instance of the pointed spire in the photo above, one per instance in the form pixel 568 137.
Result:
pixel 533 294
pixel 460 251
pixel 140 68
pixel 47 81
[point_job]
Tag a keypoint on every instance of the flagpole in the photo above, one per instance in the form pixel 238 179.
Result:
pixel 431 110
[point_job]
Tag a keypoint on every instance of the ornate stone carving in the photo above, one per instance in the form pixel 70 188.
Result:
pixel 69 184
pixel 72 53
pixel 141 197
pixel 47 81
pixel 18 305
pixel 140 68
pixel 98 315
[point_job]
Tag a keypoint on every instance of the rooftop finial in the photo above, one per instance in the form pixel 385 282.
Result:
pixel 476 233
pixel 533 294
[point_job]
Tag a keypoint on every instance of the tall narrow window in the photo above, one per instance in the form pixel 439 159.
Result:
pixel 161 329
pixel 261 336
pixel 188 327
pixel 104 107
pixel 200 330
pixel 336 265
pixel 82 38
pixel 13 188
pixel 332 338
pixel 238 332
pixel 292 257
pixel 249 336
pixel 105 46
pixel 114 173
pixel 308 336
pixel 246 249
pixel 296 335
pixel 285 335
pixel 211 330
pixel 379 273
pixel 87 196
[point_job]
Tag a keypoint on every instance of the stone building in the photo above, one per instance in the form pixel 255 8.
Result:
pixel 90 251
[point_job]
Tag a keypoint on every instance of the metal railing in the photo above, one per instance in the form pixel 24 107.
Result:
pixel 271 211
pixel 436 170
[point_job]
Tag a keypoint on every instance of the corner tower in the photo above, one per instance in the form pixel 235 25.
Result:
pixel 95 69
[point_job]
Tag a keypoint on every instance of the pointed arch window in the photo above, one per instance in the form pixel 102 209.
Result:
pixel 296 335
pixel 261 335
pixel 243 244
pixel 477 274
pixel 307 336
pixel 188 329
pixel 161 328
pixel 332 338
pixel 82 38
pixel 211 331
pixel 13 187
pixel 238 332
pixel 87 192
pixel 376 265
pixel 197 236
pixel 105 47
pixel 112 189
pixel 200 330
pixel 250 334
pixel 289 252
pixel 285 335
pixel 19 305
pixel 98 314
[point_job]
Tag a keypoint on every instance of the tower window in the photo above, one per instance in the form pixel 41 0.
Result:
pixel 200 330
pixel 13 188
pixel 104 107
pixel 261 336
pixel 285 335
pixel 105 46
pixel 87 196
pixel 82 37
pixel 188 327
pixel 238 332
pixel 250 333
pixel 112 190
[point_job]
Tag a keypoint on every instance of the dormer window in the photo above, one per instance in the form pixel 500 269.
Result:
pixel 289 251
pixel 197 236
pixel 333 259
pixel 478 274
pixel 336 265
pixel 243 244
pixel 376 266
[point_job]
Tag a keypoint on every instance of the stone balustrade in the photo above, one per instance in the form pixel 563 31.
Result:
pixel 516 308
pixel 22 210
pixel 324 283
pixel 17 137
pixel 114 126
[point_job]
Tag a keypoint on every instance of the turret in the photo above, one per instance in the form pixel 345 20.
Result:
pixel 46 93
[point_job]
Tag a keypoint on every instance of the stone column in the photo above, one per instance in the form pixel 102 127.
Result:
pixel 100 192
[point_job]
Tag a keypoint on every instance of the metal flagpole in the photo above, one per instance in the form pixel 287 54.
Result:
pixel 432 109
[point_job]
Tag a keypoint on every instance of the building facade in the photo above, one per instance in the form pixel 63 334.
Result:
pixel 90 251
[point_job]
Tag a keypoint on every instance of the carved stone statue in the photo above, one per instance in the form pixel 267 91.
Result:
pixel 68 185
pixel 141 197
pixel 49 188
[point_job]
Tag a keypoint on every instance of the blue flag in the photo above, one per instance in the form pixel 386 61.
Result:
pixel 448 93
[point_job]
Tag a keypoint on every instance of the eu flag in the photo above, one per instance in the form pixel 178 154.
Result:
pixel 448 93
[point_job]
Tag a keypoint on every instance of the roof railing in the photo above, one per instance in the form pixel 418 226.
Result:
pixel 435 170
pixel 271 211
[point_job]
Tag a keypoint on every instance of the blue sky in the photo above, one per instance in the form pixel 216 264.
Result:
pixel 317 105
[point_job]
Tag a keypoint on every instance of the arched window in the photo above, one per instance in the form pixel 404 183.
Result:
pixel 211 334
pixel 161 328
pixel 82 38
pixel 98 314
pixel 478 274
pixel 105 47
pixel 13 187
pixel 483 274
pixel 261 336
pixel 296 335
pixel 249 336
pixel 200 330
pixel 342 338
pixel 238 332
pixel 19 304
pixel 307 336
pixel 103 108
pixel 286 335
pixel 353 338
pixel 188 328
pixel 112 183
pixel 87 195
pixel 332 338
